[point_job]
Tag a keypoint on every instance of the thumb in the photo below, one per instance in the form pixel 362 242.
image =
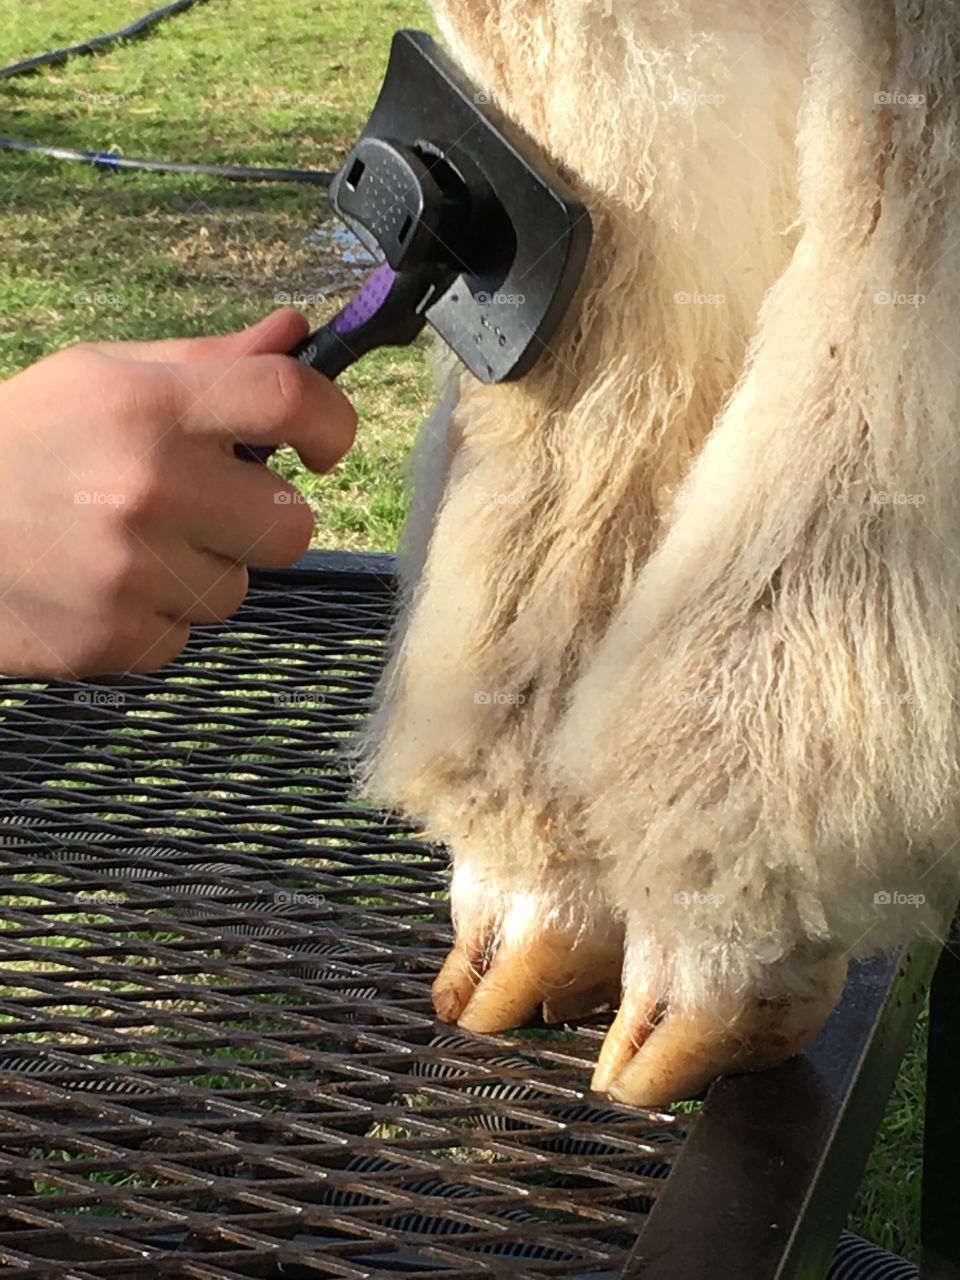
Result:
pixel 275 334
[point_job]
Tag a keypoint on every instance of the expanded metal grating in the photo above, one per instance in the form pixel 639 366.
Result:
pixel 218 1054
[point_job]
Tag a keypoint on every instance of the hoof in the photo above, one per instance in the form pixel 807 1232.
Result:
pixel 561 975
pixel 656 1053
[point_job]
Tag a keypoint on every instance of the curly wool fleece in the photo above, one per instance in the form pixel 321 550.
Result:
pixel 680 646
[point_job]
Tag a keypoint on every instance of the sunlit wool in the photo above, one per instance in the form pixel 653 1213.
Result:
pixel 679 650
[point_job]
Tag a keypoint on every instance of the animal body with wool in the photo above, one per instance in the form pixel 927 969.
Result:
pixel 677 673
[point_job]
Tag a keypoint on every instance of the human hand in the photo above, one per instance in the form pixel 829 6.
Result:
pixel 125 516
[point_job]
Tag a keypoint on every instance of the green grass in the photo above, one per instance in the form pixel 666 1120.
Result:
pixel 95 256
pixel 887 1209
pixel 104 256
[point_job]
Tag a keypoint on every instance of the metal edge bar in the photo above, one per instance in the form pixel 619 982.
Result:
pixel 763 1184
pixel 940 1230
pixel 367 573
pixel 344 570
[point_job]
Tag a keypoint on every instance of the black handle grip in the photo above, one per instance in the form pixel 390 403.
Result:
pixel 388 311
pixel 327 352
pixel 323 350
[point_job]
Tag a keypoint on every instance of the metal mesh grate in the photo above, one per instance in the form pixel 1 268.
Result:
pixel 218 1054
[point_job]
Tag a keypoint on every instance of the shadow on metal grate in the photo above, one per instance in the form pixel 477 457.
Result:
pixel 218 1056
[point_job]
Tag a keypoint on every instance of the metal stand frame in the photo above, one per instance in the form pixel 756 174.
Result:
pixel 389 1124
pixel 940 1224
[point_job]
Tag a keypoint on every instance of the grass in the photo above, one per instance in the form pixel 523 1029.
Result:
pixel 887 1209
pixel 95 256
pixel 105 256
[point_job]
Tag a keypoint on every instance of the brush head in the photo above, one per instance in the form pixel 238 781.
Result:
pixel 440 178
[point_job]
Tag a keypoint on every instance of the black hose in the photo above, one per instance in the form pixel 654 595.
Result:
pixel 57 57
pixel 229 172
pixel 132 164
pixel 495 1088
pixel 857 1259
pixel 414 1223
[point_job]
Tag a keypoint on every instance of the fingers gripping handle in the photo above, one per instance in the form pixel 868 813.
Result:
pixel 388 311
pixel 325 351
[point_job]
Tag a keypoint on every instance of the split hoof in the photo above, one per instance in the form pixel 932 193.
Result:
pixel 560 974
pixel 655 1053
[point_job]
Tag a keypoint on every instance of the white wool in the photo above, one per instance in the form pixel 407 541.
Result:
pixel 681 639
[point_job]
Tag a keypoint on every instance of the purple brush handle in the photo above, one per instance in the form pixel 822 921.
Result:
pixel 364 323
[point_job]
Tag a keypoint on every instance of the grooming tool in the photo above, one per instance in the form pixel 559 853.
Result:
pixel 477 235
